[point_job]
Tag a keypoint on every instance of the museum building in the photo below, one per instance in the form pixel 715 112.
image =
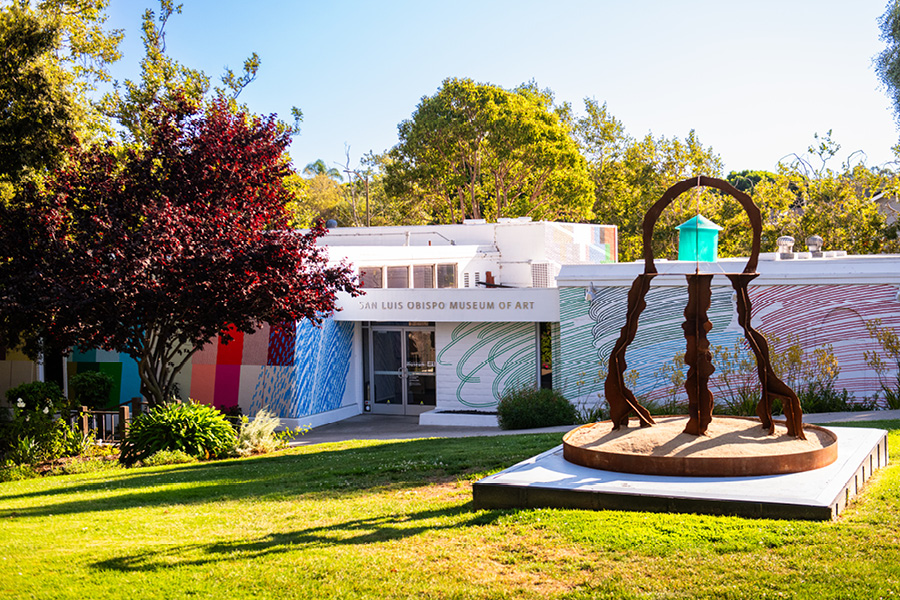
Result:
pixel 453 316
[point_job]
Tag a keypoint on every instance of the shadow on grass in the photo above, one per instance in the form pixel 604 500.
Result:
pixel 354 532
pixel 331 470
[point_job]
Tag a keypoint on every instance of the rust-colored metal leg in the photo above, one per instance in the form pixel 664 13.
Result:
pixel 697 355
pixel 621 400
pixel 770 385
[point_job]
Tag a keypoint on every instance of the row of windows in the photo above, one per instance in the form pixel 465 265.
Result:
pixel 423 276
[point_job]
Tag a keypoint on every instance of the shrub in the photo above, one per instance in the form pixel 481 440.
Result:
pixel 9 471
pixel 36 396
pixel 168 457
pixel 587 413
pixel 25 451
pixel 34 424
pixel 528 408
pixel 91 389
pixel 66 441
pixel 259 436
pixel 817 398
pixel 88 465
pixel 196 429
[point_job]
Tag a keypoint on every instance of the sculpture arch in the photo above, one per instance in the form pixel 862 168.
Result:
pixel 622 402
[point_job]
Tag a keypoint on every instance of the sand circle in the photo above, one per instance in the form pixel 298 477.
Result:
pixel 732 446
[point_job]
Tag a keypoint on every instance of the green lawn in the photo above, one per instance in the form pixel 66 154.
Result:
pixel 395 520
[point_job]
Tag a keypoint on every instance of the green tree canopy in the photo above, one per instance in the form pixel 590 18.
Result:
pixel 52 55
pixel 631 174
pixel 318 167
pixel 808 197
pixel 476 150
pixel 887 63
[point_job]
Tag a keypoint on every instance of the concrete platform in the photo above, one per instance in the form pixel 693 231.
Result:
pixel 548 480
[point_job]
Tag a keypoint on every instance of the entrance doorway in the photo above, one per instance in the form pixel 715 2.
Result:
pixel 403 369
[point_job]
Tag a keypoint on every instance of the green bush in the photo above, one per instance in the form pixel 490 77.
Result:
pixel 88 465
pixel 35 433
pixel 10 471
pixel 196 429
pixel 91 389
pixel 37 396
pixel 528 408
pixel 168 457
pixel 818 398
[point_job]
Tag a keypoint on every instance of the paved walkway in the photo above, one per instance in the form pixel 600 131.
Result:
pixel 385 427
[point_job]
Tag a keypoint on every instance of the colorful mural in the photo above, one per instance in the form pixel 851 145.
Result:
pixel 294 371
pixel 307 369
pixel 120 367
pixel 813 316
pixel 15 369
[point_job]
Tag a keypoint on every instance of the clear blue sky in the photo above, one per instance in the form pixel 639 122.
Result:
pixel 755 79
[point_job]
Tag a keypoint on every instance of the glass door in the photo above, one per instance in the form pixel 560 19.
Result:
pixel 421 383
pixel 387 369
pixel 403 369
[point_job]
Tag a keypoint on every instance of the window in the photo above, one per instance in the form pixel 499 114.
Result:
pixel 398 277
pixel 370 277
pixel 446 276
pixel 423 276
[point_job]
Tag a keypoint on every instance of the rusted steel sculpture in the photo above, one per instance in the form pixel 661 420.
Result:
pixel 622 402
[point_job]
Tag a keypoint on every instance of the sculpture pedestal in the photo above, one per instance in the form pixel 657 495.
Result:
pixel 731 447
pixel 548 480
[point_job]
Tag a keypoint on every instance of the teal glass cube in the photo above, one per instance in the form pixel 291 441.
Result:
pixel 698 240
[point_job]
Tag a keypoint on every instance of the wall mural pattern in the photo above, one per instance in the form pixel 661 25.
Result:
pixel 821 314
pixel 294 370
pixel 307 369
pixel 503 353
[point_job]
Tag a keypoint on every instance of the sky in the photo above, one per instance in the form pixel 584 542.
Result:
pixel 755 80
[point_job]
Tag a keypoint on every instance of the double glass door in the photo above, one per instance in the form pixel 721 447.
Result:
pixel 403 371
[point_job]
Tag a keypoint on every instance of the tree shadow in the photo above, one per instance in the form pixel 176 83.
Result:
pixel 317 471
pixel 384 528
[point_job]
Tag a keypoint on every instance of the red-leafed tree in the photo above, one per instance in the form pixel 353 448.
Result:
pixel 155 250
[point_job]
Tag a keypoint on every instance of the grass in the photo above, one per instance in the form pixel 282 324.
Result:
pixel 395 520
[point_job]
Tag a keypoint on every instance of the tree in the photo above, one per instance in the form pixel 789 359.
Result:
pixel 478 151
pixel 630 175
pixel 51 57
pixel 887 64
pixel 37 118
pixel 747 180
pixel 807 197
pixel 163 79
pixel 155 250
pixel 318 167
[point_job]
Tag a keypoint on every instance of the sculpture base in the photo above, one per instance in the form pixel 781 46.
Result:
pixel 549 481
pixel 732 447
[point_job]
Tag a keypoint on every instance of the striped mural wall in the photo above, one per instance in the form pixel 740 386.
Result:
pixel 814 316
pixel 478 362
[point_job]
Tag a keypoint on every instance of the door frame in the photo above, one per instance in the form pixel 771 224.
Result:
pixel 403 408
